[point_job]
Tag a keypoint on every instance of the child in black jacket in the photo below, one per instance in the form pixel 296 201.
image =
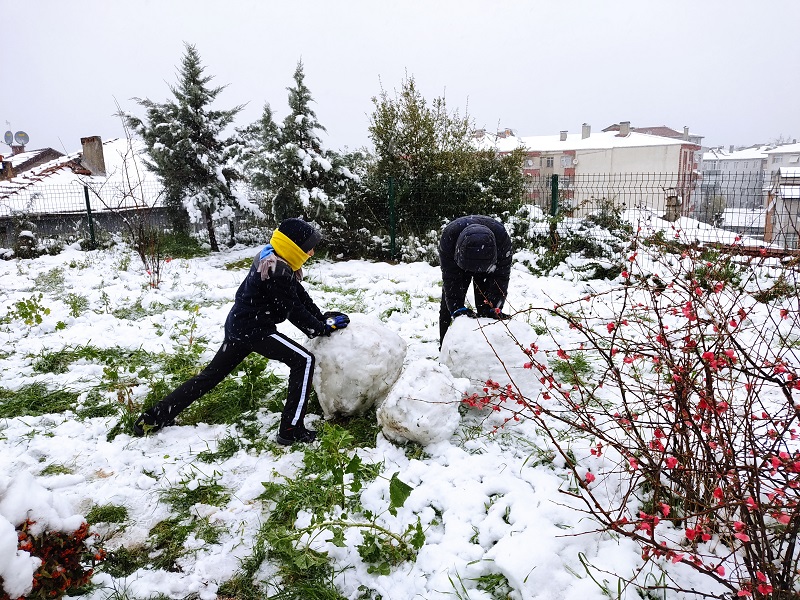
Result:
pixel 270 294
pixel 474 249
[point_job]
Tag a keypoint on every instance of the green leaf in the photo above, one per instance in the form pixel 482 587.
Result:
pixel 338 537
pixel 399 492
pixel 418 539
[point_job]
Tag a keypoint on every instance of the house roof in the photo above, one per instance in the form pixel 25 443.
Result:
pixel 756 153
pixel 596 141
pixel 27 160
pixel 785 149
pixel 58 185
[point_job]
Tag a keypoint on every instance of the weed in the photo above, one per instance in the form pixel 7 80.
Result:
pixel 226 447
pixel 51 282
pixel 494 584
pixel 107 513
pixel 77 304
pixel 30 311
pixel 124 561
pixel 184 496
pixel 573 371
pixel 55 469
pixel 34 400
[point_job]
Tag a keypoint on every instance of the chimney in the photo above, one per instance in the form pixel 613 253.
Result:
pixel 586 131
pixel 624 128
pixel 563 136
pixel 686 133
pixel 6 169
pixel 92 157
pixel 17 149
pixel 730 149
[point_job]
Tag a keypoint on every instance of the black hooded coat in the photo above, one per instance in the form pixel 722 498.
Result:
pixel 466 257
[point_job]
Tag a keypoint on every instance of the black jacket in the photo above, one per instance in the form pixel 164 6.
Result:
pixel 493 285
pixel 261 304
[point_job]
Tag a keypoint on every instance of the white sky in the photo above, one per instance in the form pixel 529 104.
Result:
pixel 727 69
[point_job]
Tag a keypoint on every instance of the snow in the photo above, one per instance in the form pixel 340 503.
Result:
pixel 422 405
pixel 486 503
pixel 344 389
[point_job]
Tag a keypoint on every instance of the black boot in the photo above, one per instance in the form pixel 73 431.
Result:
pixel 149 422
pixel 295 435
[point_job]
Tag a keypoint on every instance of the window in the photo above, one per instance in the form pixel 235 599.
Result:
pixel 547 162
pixel 528 163
pixel 566 161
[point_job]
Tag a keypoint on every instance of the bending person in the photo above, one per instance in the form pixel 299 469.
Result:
pixel 474 249
pixel 271 293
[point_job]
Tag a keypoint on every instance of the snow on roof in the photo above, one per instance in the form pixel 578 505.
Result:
pixel 57 185
pixel 789 192
pixel 603 140
pixel 23 157
pixel 785 149
pixel 745 217
pixel 789 172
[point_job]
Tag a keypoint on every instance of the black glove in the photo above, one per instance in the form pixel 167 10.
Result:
pixel 463 311
pixel 334 323
pixel 486 312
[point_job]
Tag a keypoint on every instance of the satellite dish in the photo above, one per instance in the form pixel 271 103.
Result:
pixel 9 137
pixel 21 138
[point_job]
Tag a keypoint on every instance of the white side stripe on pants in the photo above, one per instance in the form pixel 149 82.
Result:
pixel 306 374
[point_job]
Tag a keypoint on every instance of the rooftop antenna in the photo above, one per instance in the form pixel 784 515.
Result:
pixel 9 137
pixel 21 138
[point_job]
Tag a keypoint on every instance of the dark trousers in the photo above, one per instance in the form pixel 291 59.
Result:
pixel 488 294
pixel 275 346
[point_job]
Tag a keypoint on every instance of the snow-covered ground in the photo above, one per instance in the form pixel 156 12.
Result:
pixel 486 503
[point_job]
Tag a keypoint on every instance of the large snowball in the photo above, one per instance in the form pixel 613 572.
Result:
pixel 422 406
pixel 482 349
pixel 356 366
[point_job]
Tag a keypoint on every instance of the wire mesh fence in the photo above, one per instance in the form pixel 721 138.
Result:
pixel 765 209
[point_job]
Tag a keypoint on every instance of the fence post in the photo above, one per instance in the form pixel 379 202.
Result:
pixel 553 209
pixel 92 242
pixel 391 217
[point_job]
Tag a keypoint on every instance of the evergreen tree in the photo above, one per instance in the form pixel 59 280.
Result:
pixel 184 141
pixel 436 171
pixel 302 178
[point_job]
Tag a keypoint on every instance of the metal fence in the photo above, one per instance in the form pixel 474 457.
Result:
pixel 764 209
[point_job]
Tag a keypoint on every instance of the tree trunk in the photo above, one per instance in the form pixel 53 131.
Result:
pixel 212 238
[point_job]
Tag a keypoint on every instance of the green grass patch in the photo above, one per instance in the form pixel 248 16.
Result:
pixel 236 398
pixel 107 513
pixel 181 245
pixel 573 371
pixel 34 400
pixel 56 469
pixel 241 264
pixel 125 561
pixel 182 497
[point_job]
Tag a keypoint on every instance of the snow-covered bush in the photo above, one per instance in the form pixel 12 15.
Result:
pixel 43 550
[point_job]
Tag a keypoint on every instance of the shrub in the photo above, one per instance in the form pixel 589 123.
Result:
pixel 67 562
pixel 690 412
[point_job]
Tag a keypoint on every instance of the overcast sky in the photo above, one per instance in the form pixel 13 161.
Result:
pixel 728 69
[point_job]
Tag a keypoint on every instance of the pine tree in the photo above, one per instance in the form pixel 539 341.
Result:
pixel 303 178
pixel 184 141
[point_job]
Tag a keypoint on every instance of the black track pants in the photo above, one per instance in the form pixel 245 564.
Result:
pixel 275 346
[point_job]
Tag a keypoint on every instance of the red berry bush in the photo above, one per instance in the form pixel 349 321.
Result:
pixel 689 418
pixel 67 561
